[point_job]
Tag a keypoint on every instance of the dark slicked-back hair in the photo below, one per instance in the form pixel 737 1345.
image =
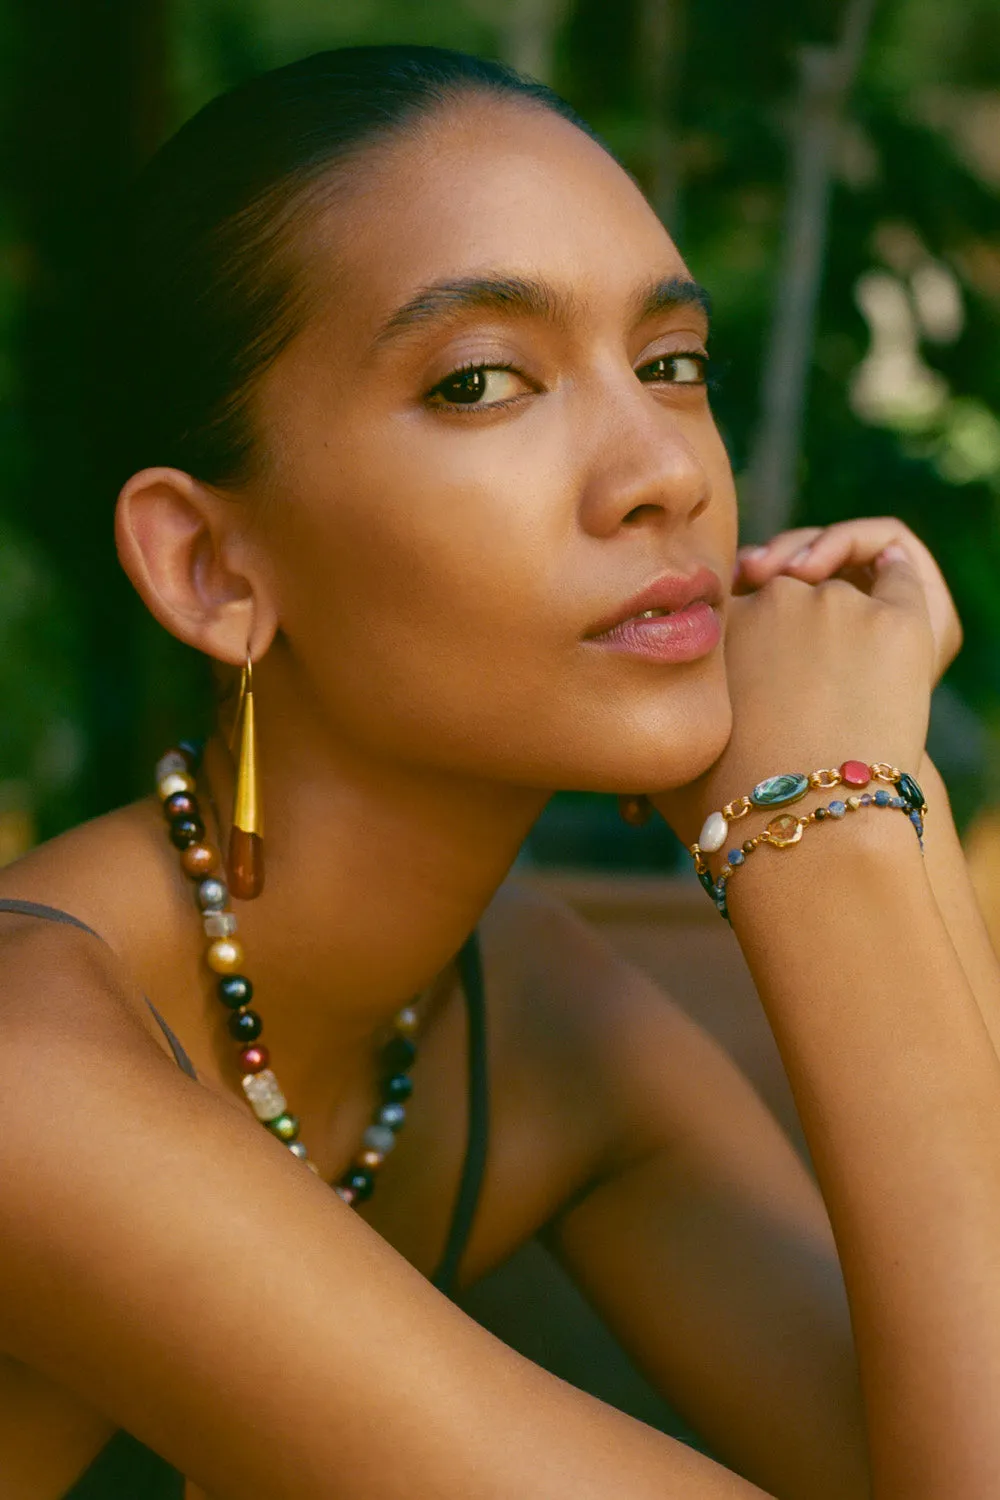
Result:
pixel 210 289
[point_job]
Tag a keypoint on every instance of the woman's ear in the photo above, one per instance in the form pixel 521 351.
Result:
pixel 185 548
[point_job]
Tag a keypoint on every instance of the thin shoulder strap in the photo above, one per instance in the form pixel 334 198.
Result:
pixel 55 914
pixel 470 968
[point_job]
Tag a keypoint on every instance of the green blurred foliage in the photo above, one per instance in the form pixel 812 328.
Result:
pixel 916 186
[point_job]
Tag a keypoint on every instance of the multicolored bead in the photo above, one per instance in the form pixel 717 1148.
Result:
pixel 776 791
pixel 253 1059
pixel 284 1126
pixel 836 809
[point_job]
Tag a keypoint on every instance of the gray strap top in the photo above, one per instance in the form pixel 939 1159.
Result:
pixel 126 1469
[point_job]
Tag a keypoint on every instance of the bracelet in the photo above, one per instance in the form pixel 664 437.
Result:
pixel 786 829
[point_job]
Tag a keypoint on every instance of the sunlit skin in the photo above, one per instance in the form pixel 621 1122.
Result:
pixel 416 581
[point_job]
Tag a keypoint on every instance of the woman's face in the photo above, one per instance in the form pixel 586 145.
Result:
pixel 443 547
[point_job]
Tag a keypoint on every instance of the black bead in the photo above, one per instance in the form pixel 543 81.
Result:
pixel 398 1055
pixel 397 1088
pixel 361 1181
pixel 235 990
pixel 184 831
pixel 180 805
pixel 821 813
pixel 245 1025
pixel 910 792
pixel 191 751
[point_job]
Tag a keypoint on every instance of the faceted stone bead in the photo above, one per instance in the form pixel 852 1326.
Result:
pixel 736 857
pixel 225 955
pixel 264 1093
pixel 406 1021
pixel 855 773
pixel 785 830
pixel 184 831
pixel 837 809
pixel 361 1182
pixel 219 923
pixel 910 791
pixel 297 1149
pixel 707 881
pixel 380 1138
pixel 397 1087
pixel 820 814
pixel 285 1127
pixel 398 1054
pixel 199 859
pixel 776 791
pixel 725 872
pixel 896 802
pixel 180 805
pixel 212 894
pixel 245 1025
pixel 235 990
pixel 713 834
pixel 882 798
pixel 866 800
pixel 171 764
pixel 253 1059
pixel 176 781
pixel 393 1115
pixel 854 803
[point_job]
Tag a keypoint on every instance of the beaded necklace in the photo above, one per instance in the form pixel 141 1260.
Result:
pixel 201 862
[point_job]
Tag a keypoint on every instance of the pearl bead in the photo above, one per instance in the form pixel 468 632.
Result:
pixel 372 1160
pixel 398 1054
pixel 379 1138
pixel 397 1088
pixel 713 834
pixel 245 1026
pixel 180 805
pixel 406 1021
pixel 199 859
pixel 346 1193
pixel 362 1183
pixel 225 955
pixel 212 894
pixel 235 990
pixel 185 831
pixel 837 809
pixel 254 1059
pixel 285 1127
pixel 176 781
pixel 393 1115
pixel 297 1149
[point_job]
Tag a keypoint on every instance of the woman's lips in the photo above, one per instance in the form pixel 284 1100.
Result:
pixel 686 635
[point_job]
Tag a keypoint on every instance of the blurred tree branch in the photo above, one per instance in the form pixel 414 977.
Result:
pixel 770 484
pixel 661 39
pixel 528 31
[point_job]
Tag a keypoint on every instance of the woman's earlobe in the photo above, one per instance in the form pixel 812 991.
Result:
pixel 174 537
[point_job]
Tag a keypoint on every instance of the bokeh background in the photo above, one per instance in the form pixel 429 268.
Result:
pixel 830 171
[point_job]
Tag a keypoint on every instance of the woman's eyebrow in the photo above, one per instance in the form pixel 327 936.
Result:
pixel 523 297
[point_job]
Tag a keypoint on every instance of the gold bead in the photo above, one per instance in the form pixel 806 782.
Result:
pixel 177 781
pixel 725 872
pixel 225 955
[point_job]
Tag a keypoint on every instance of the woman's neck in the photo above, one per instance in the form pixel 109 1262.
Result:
pixel 375 875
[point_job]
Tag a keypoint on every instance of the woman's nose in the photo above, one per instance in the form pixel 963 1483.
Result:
pixel 645 468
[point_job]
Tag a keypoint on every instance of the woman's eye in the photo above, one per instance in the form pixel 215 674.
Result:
pixel 479 385
pixel 677 369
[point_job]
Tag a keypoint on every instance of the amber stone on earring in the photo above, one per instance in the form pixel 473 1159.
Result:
pixel 246 864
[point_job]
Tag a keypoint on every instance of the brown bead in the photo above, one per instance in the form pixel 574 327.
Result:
pixel 371 1159
pixel 199 860
pixel 246 864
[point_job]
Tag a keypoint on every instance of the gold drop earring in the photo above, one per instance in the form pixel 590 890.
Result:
pixel 246 837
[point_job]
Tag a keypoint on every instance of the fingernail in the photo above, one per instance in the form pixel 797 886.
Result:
pixel 750 554
pixel 799 557
pixel 893 553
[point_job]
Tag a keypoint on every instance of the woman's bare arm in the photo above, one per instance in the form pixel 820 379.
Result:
pixel 160 1254
pixel 898 1087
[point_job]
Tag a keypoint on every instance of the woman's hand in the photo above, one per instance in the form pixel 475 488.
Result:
pixel 847 550
pixel 818 674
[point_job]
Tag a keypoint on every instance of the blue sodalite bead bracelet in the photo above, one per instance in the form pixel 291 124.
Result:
pixel 786 829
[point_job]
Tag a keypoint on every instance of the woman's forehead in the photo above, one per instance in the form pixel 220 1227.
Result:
pixel 490 184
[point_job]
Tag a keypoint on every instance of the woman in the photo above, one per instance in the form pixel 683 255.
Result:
pixel 419 426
